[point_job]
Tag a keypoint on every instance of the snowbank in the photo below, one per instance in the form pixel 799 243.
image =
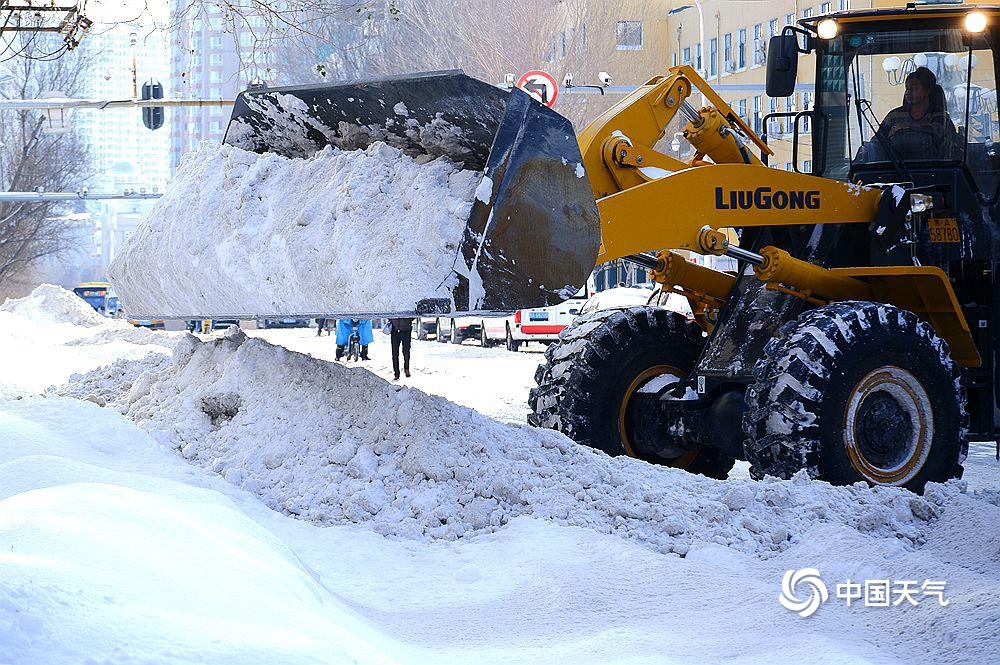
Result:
pixel 122 552
pixel 53 304
pixel 239 233
pixel 53 333
pixel 334 445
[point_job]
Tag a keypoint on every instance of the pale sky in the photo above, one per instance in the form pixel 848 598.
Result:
pixel 110 11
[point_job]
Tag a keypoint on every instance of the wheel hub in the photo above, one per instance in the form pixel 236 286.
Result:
pixel 629 419
pixel 888 426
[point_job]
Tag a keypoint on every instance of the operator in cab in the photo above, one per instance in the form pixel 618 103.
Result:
pixel 921 127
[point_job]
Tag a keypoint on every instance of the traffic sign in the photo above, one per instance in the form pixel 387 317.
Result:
pixel 539 85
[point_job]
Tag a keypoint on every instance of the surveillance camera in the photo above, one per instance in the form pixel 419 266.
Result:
pixel 605 78
pixel 568 80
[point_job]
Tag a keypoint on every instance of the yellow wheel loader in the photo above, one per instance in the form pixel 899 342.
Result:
pixel 855 340
pixel 842 345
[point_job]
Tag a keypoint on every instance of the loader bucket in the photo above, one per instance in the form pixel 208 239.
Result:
pixel 535 240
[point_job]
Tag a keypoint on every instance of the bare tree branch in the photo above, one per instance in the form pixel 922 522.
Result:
pixel 31 158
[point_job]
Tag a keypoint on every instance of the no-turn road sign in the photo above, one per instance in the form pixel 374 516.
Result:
pixel 539 85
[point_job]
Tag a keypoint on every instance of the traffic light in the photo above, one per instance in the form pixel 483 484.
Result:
pixel 152 116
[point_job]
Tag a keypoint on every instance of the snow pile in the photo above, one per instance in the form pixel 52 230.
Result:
pixel 334 445
pixel 53 304
pixel 52 334
pixel 240 233
pixel 108 383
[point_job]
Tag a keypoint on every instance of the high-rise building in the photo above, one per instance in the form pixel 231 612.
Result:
pixel 212 57
pixel 124 58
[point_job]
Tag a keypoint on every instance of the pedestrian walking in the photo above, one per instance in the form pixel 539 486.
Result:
pixel 402 329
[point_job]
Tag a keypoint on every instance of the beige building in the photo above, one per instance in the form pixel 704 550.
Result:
pixel 725 40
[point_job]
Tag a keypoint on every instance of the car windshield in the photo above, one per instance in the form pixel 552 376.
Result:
pixel 904 96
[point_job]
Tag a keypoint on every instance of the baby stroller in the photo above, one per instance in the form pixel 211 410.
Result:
pixel 353 338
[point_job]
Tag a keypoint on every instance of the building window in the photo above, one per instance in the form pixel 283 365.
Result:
pixel 844 5
pixel 806 105
pixel 789 19
pixel 825 8
pixel 686 56
pixel 713 56
pixel 756 114
pixel 215 59
pixel 741 109
pixel 629 35
pixel 673 59
pixel 727 53
pixel 758 45
pixel 741 49
pixel 215 42
pixel 698 59
pixel 772 28
pixel 807 12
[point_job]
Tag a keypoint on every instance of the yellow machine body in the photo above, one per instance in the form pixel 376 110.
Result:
pixel 725 187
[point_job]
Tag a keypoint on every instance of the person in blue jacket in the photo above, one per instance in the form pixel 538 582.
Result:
pixel 347 326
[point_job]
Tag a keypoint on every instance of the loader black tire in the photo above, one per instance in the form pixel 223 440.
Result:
pixel 439 333
pixel 857 391
pixel 588 374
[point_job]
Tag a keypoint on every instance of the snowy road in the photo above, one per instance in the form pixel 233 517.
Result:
pixel 248 504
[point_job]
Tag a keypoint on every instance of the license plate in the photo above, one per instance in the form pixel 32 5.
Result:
pixel 538 316
pixel 943 229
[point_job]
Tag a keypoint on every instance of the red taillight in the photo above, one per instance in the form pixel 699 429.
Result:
pixel 517 317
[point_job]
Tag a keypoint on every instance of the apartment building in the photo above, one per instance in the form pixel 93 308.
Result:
pixel 724 40
pixel 212 57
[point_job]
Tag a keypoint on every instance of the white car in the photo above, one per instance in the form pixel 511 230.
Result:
pixel 542 324
pixel 637 296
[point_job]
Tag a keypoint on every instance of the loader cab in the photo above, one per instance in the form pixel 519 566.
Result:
pixel 867 127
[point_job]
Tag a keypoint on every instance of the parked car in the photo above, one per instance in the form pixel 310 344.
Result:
pixel 287 322
pixel 493 330
pixel 457 329
pixel 425 326
pixel 222 324
pixel 542 324
pixel 635 296
pixel 152 324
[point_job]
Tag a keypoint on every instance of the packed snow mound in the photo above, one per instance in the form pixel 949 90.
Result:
pixel 116 330
pixel 49 303
pixel 241 233
pixel 108 383
pixel 335 445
